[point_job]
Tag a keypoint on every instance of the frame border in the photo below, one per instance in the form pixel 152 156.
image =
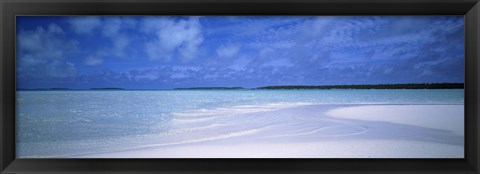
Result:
pixel 9 9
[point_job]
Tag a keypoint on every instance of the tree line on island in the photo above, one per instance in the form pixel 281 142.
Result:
pixel 376 86
pixel 371 86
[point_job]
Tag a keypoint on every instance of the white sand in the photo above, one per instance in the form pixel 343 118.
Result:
pixel 324 149
pixel 444 117
pixel 308 131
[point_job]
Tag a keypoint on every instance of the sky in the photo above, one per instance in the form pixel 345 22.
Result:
pixel 164 52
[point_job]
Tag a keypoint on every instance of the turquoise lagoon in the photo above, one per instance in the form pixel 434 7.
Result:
pixel 69 123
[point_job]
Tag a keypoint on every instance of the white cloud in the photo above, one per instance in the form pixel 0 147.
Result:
pixel 120 43
pixel 321 23
pixel 146 77
pixel 266 51
pixel 180 75
pixel 241 63
pixel 170 36
pixel 111 27
pixel 187 68
pixel 227 50
pixel 42 53
pixel 93 61
pixel 211 76
pixel 84 25
pixel 155 52
pixel 55 29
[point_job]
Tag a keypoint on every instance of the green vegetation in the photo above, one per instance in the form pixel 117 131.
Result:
pixel 376 86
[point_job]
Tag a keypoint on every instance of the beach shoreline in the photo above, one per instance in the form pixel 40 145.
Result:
pixel 315 131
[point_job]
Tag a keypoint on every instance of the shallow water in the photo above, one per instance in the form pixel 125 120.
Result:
pixel 65 123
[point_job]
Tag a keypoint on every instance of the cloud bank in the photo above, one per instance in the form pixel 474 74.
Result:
pixel 249 51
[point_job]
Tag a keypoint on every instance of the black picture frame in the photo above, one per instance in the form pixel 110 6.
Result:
pixel 11 8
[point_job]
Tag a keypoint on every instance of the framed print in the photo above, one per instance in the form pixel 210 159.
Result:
pixel 305 86
pixel 240 87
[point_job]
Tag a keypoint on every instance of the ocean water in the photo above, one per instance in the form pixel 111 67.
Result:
pixel 69 123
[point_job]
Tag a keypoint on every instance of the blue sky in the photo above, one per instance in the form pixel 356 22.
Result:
pixel 166 52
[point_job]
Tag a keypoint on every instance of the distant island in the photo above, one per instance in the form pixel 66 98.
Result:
pixel 376 86
pixel 210 88
pixel 106 89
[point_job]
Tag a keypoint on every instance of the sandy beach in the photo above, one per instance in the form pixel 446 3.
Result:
pixel 308 131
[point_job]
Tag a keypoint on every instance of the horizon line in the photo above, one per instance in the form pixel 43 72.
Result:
pixel 234 87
